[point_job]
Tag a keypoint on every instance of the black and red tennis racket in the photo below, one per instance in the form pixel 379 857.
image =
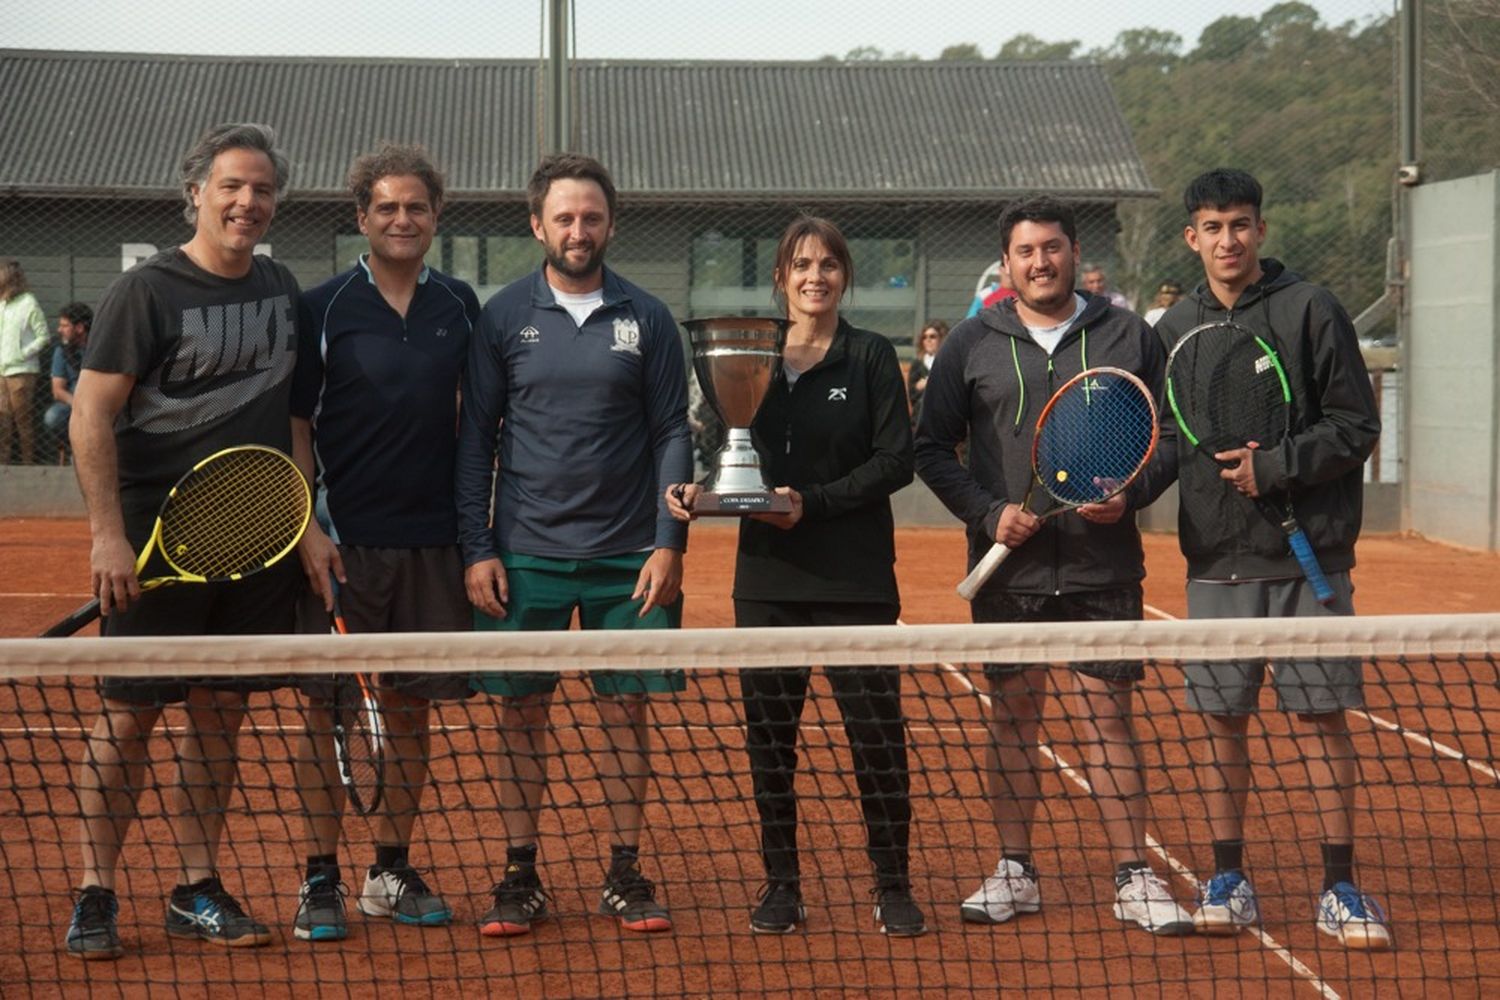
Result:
pixel 1092 440
pixel 358 731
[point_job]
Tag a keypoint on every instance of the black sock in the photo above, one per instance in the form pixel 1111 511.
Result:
pixel 1022 859
pixel 389 858
pixel 523 857
pixel 1338 864
pixel 186 891
pixel 1125 869
pixel 1229 855
pixel 623 856
pixel 326 865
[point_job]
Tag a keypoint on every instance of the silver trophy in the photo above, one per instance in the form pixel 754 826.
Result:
pixel 736 359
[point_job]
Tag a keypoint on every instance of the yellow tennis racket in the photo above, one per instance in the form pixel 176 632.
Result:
pixel 235 513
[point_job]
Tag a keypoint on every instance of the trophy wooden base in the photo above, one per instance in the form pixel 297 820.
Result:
pixel 741 504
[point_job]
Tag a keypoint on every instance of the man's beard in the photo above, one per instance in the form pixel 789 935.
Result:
pixel 559 262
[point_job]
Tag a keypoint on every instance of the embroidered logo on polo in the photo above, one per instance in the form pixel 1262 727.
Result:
pixel 840 393
pixel 627 336
pixel 530 335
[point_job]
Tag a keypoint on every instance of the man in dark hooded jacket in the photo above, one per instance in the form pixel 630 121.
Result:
pixel 1239 562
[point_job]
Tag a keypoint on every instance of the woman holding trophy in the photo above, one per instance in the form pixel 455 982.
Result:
pixel 835 438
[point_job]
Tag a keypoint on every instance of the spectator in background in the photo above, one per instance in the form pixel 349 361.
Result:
pixel 927 344
pixel 73 322
pixel 23 338
pixel 1096 282
pixel 1166 297
pixel 992 291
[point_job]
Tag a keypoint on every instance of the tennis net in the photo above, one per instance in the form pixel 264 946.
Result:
pixel 1426 796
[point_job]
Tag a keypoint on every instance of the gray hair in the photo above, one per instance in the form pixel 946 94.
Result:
pixel 199 161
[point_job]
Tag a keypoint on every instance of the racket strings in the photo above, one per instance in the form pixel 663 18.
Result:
pixel 1095 438
pixel 234 514
pixel 1227 389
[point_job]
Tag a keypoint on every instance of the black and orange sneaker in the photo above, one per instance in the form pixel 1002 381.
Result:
pixel 519 902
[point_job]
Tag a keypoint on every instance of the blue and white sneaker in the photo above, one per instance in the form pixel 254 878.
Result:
pixel 92 934
pixel 320 910
pixel 212 914
pixel 1227 905
pixel 1354 918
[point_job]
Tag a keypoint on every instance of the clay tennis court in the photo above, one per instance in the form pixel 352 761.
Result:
pixel 1423 818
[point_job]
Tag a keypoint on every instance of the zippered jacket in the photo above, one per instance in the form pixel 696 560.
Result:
pixel 1335 427
pixel 841 437
pixel 988 386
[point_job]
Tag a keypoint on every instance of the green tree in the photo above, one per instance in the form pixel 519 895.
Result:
pixel 967 51
pixel 1030 48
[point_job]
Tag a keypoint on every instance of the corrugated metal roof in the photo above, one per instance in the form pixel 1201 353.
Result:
pixel 90 123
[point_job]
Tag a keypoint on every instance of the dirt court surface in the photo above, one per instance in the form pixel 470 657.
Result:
pixel 1425 845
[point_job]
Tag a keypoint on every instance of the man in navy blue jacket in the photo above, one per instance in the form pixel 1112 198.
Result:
pixel 576 378
pixel 375 398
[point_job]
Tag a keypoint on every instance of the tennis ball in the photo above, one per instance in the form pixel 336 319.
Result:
pixel 1062 475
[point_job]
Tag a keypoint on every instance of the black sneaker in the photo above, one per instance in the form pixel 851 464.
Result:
pixel 630 897
pixel 320 910
pixel 91 933
pixel 897 913
pixel 519 902
pixel 780 909
pixel 212 914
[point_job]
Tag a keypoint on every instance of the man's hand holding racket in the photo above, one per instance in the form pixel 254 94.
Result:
pixel 320 561
pixel 237 512
pixel 1092 440
pixel 113 579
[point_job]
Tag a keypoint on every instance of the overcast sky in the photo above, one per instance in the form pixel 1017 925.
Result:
pixel 620 29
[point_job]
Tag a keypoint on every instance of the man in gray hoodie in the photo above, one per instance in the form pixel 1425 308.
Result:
pixel 991 378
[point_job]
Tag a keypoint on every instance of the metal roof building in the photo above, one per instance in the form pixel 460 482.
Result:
pixel 922 152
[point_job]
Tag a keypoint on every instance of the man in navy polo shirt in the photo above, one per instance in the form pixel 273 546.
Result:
pixel 374 407
pixel 577 376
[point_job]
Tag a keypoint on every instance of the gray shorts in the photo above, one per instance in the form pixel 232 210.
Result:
pixel 400 590
pixel 1121 604
pixel 1307 687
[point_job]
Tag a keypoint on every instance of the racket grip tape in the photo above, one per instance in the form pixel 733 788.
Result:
pixel 73 622
pixel 983 571
pixel 1308 560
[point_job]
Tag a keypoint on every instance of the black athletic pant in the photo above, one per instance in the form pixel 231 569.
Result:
pixel 869 699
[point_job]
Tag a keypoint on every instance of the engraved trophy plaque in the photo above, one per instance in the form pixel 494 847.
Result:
pixel 736 358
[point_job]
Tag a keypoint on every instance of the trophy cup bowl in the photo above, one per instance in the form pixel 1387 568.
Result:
pixel 736 359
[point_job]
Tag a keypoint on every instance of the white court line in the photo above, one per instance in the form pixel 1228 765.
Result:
pixel 1393 727
pixel 1181 870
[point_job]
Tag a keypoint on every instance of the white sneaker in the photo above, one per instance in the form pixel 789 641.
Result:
pixel 1147 900
pixel 1228 905
pixel 401 895
pixel 1004 894
pixel 1354 918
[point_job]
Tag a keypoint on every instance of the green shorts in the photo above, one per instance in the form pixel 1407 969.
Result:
pixel 543 595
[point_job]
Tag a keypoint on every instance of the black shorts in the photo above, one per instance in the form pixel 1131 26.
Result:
pixel 398 590
pixel 263 604
pixel 1118 604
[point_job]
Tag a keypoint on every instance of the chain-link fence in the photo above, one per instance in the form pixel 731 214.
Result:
pixel 914 154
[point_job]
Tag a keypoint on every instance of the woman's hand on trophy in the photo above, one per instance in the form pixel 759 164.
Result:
pixel 680 498
pixel 787 520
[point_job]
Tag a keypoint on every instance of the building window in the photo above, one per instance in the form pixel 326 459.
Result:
pixel 732 275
